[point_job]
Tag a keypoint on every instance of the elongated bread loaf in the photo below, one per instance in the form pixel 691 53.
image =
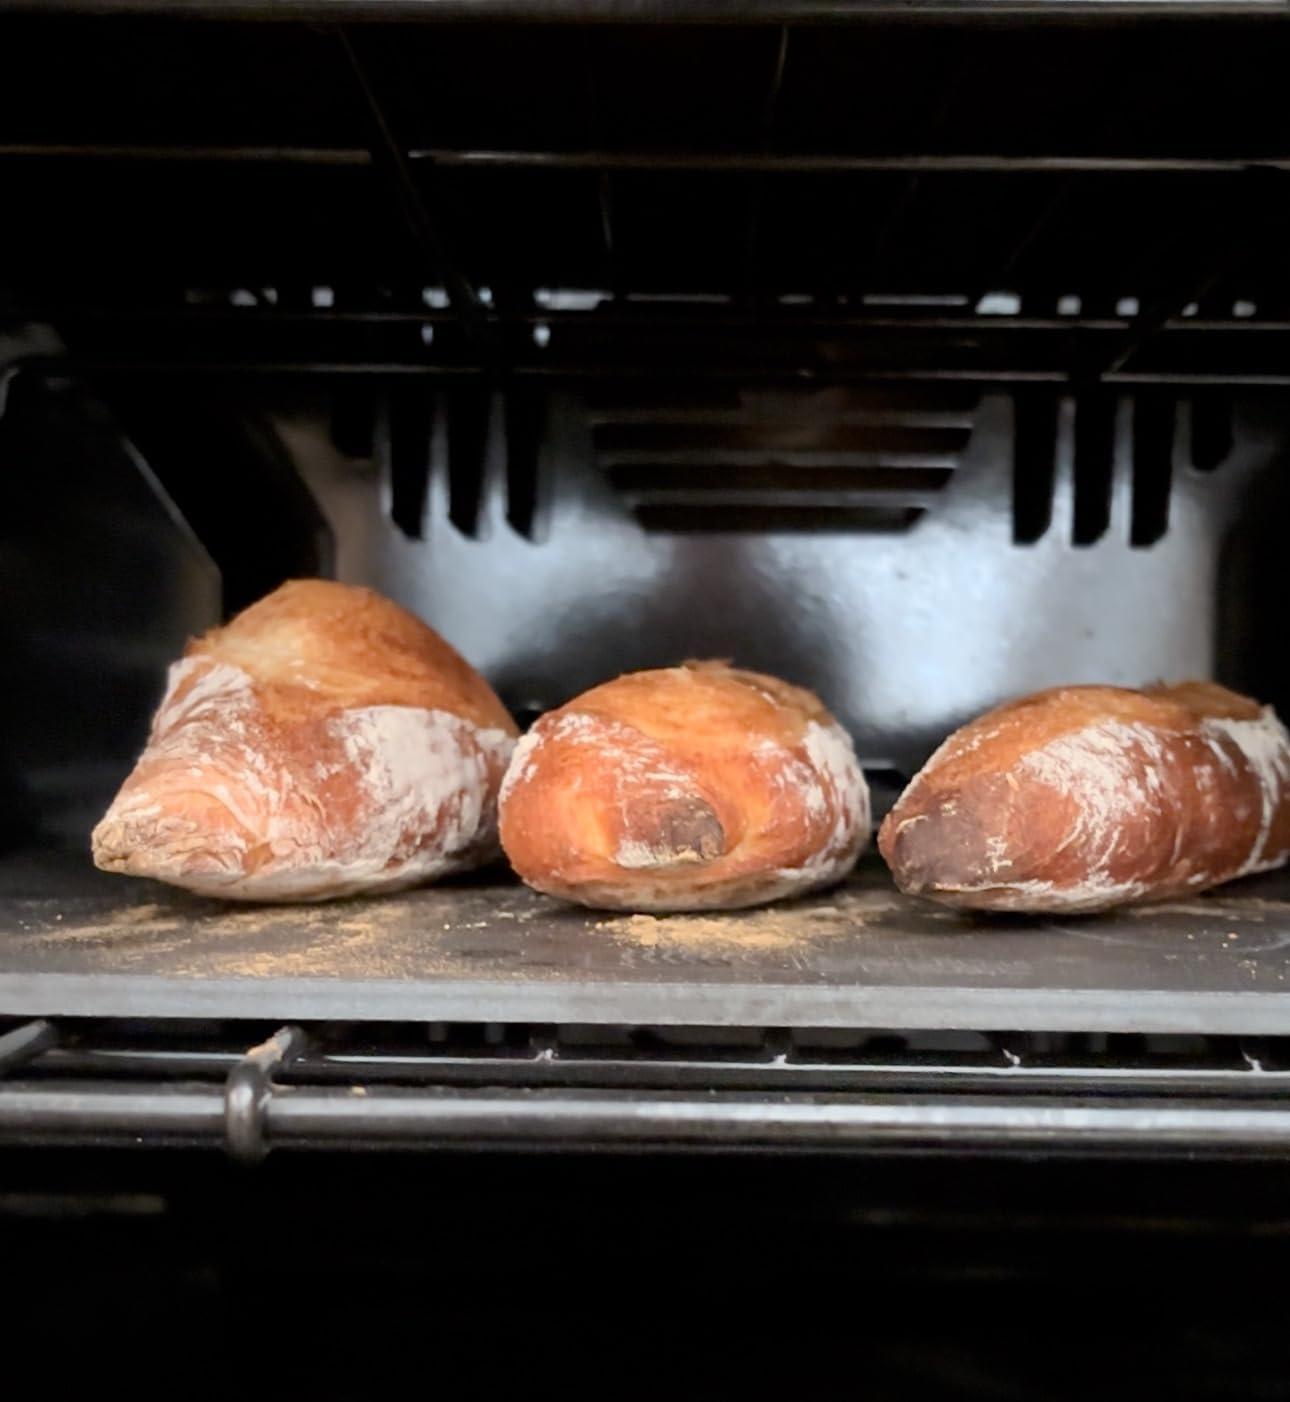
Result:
pixel 1086 797
pixel 689 788
pixel 325 742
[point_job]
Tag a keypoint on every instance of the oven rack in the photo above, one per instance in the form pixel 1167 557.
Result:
pixel 479 1013
pixel 466 205
pixel 120 1082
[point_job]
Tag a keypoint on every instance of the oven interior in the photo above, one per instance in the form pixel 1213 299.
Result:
pixel 923 357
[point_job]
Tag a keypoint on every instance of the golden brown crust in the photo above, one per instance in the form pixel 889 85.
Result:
pixel 1206 700
pixel 325 742
pixel 314 638
pixel 688 787
pixel 1080 798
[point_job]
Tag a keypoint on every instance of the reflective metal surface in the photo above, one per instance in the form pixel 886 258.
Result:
pixel 905 634
pixel 75 942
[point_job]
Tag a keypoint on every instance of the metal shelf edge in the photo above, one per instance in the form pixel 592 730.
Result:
pixel 617 1003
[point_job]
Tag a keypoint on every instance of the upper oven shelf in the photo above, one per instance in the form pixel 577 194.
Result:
pixel 765 195
pixel 77 944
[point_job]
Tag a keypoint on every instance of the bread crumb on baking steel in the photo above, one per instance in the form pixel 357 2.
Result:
pixel 784 927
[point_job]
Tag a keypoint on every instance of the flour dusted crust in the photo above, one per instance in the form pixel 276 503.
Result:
pixel 690 788
pixel 1086 797
pixel 325 743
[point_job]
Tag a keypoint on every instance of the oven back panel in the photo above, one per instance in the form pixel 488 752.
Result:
pixel 907 601
pixel 783 529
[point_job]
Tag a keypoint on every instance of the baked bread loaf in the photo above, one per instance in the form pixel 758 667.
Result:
pixel 325 742
pixel 1087 797
pixel 691 788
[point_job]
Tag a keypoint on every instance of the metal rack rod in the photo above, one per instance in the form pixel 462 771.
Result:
pixel 26 1043
pixel 249 1089
pixel 794 1068
pixel 653 318
pixel 428 1118
pixel 421 210
pixel 752 162
pixel 746 375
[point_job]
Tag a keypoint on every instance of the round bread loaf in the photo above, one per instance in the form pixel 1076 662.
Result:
pixel 689 788
pixel 324 743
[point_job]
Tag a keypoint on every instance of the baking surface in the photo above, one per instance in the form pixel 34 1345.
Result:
pixel 76 942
